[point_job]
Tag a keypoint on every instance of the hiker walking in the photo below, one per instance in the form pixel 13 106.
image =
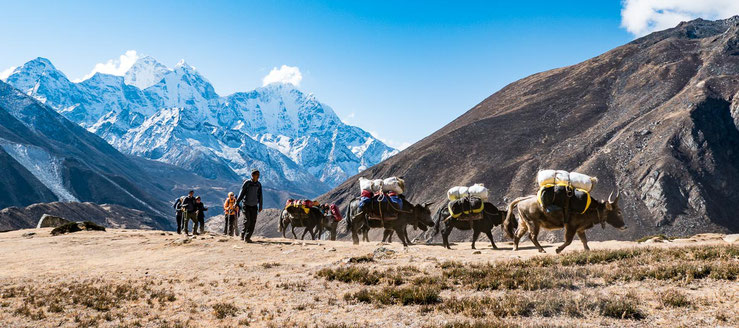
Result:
pixel 178 213
pixel 200 207
pixel 251 194
pixel 189 211
pixel 230 210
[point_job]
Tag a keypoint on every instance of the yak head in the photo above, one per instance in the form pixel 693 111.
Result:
pixel 613 212
pixel 423 214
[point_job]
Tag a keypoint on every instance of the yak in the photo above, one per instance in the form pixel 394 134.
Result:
pixel 491 217
pixel 413 214
pixel 532 217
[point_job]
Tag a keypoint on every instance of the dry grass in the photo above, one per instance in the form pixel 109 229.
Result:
pixel 424 295
pixel 543 286
pixel 417 287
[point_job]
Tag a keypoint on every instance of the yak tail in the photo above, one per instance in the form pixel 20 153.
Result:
pixel 508 226
pixel 279 223
pixel 348 217
pixel 280 220
pixel 437 224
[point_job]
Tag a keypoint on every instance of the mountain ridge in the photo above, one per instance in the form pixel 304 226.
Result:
pixel 296 141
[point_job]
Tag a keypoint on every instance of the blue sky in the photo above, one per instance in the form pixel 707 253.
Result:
pixel 398 69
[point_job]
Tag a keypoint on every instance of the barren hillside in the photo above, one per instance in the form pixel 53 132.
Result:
pixel 657 118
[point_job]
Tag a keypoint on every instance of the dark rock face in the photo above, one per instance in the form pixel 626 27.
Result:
pixel 657 118
pixel 75 227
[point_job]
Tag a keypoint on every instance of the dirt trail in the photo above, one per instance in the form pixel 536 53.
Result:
pixel 271 282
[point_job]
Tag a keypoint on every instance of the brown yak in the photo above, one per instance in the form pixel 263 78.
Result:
pixel 532 217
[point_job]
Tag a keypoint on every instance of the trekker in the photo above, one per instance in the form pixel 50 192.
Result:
pixel 230 210
pixel 251 194
pixel 178 213
pixel 189 209
pixel 201 216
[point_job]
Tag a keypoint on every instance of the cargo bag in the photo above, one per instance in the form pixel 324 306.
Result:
pixel 579 199
pixel 466 206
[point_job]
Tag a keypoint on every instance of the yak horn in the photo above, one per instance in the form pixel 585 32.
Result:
pixel 610 196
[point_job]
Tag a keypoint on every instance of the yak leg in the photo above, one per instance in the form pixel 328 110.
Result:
pixel 387 236
pixel 292 228
pixel 569 234
pixel 583 239
pixel 333 228
pixel 305 231
pixel 490 236
pixel 520 231
pixel 283 228
pixel 313 234
pixel 355 235
pixel 534 236
pixel 320 231
pixel 365 234
pixel 407 239
pixel 445 236
pixel 475 235
pixel 400 231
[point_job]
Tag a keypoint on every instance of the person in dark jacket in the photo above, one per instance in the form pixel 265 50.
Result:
pixel 189 208
pixel 201 216
pixel 251 194
pixel 178 213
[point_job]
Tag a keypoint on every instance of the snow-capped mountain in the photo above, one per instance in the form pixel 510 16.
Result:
pixel 175 116
pixel 145 72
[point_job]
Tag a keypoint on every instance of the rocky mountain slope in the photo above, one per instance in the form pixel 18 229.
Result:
pixel 50 158
pixel 175 116
pixel 47 158
pixel 657 118
pixel 108 215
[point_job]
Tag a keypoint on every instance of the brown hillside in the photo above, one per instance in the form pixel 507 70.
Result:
pixel 657 117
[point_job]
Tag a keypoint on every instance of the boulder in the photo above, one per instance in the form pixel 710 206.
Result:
pixel 733 238
pixel 50 221
pixel 76 226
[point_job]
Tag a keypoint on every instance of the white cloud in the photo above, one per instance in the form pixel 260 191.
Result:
pixel 284 74
pixel 641 17
pixel 4 74
pixel 114 66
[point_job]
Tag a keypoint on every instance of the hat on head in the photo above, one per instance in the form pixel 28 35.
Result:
pixel 230 193
pixel 191 192
pixel 254 171
pixel 197 197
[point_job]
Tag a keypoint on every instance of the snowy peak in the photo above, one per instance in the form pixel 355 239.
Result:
pixel 175 116
pixel 37 71
pixel 145 72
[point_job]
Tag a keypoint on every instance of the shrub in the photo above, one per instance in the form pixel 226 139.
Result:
pixel 223 310
pixel 621 307
pixel 674 298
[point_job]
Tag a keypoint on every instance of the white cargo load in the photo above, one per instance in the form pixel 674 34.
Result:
pixel 393 184
pixel 365 184
pixel 582 181
pixel 376 185
pixel 478 190
pixel 577 180
pixel 457 192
